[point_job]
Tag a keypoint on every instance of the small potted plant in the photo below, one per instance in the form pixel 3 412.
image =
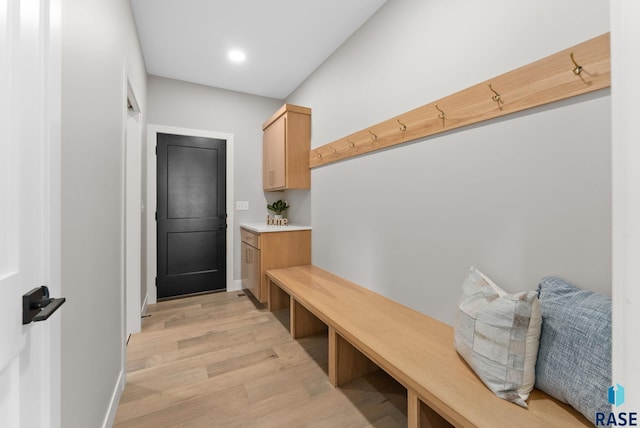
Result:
pixel 278 207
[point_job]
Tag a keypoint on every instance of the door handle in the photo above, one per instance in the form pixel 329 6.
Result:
pixel 38 306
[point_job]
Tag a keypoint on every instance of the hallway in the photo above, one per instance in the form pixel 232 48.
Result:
pixel 216 360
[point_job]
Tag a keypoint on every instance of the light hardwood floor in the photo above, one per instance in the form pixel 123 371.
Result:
pixel 218 360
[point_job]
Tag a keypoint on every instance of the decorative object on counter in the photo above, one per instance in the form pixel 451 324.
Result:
pixel 278 207
pixel 274 221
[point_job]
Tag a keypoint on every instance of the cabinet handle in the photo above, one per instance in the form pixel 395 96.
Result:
pixel 271 177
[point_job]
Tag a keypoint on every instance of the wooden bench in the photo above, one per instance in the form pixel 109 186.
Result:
pixel 367 331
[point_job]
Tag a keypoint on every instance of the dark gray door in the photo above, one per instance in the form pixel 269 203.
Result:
pixel 192 215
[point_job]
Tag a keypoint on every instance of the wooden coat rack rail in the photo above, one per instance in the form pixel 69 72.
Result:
pixel 578 70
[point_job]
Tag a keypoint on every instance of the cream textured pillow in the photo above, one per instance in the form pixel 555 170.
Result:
pixel 498 335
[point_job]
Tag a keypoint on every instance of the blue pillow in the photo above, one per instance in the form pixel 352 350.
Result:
pixel 574 356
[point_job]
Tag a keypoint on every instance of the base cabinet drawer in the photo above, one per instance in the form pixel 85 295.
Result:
pixel 250 238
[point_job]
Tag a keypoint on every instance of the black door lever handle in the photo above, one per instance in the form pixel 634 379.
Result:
pixel 38 306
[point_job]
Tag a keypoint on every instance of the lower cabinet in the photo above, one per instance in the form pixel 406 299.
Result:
pixel 251 269
pixel 271 250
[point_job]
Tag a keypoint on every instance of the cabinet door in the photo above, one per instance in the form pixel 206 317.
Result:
pixel 251 270
pixel 254 273
pixel 244 271
pixel 273 146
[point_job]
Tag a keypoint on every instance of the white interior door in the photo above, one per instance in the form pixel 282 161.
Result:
pixel 29 354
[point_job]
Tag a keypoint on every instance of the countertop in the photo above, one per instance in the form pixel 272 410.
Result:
pixel 263 227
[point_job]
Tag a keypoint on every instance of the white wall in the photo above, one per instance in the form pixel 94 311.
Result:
pixel 99 49
pixel 186 105
pixel 520 197
pixel 626 199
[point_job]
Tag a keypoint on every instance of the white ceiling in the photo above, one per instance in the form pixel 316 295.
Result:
pixel 285 40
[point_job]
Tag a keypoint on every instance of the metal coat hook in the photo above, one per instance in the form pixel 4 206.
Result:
pixel 496 97
pixel 403 127
pixel 441 115
pixel 577 69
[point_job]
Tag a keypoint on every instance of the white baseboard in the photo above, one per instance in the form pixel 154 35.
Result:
pixel 236 285
pixel 110 417
pixel 152 297
pixel 143 311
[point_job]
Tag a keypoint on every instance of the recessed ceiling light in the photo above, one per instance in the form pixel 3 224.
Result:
pixel 237 55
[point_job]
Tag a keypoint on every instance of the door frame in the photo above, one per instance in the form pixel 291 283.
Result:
pixel 625 200
pixel 53 205
pixel 152 135
pixel 132 216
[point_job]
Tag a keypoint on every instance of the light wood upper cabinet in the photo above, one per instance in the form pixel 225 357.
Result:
pixel 274 152
pixel 285 149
